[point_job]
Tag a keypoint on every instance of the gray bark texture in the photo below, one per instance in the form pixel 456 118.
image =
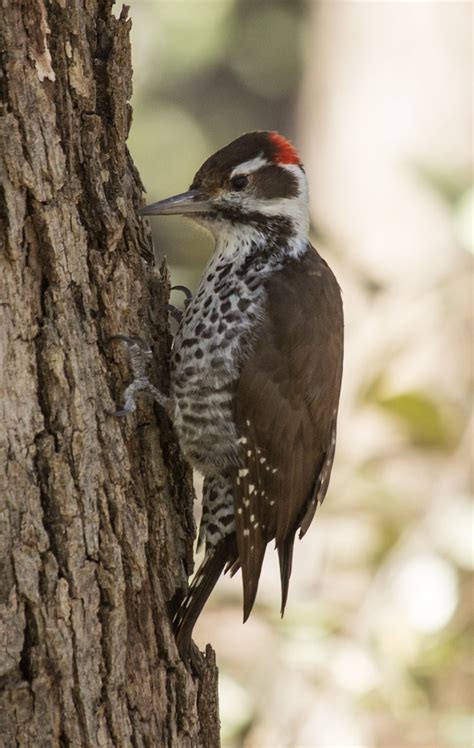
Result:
pixel 96 522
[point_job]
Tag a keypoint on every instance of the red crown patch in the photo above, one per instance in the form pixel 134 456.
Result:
pixel 285 152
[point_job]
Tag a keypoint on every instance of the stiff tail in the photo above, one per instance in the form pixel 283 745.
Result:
pixel 285 556
pixel 201 587
pixel 251 562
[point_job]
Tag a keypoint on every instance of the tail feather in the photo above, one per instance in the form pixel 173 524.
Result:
pixel 285 556
pixel 201 587
pixel 251 562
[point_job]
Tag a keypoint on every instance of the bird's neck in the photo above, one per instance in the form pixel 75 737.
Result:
pixel 266 246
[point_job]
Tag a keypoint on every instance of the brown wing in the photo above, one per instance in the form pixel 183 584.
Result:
pixel 285 409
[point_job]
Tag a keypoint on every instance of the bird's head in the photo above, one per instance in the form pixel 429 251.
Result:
pixel 256 181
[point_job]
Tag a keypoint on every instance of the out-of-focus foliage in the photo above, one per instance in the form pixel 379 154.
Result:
pixel 423 418
pixel 375 650
pixel 205 72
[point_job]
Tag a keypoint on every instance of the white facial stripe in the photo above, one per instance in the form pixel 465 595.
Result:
pixel 294 208
pixel 298 172
pixel 232 238
pixel 290 206
pixel 249 166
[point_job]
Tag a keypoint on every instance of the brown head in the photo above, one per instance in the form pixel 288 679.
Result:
pixel 255 179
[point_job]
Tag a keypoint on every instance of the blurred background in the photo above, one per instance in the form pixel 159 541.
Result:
pixel 375 649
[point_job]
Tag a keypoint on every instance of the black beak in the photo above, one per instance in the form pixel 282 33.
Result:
pixel 193 201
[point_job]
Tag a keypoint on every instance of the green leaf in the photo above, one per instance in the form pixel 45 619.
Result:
pixel 449 184
pixel 428 423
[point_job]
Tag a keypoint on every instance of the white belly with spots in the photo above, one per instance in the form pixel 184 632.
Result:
pixel 208 351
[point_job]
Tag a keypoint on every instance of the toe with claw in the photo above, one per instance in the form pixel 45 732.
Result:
pixel 176 313
pixel 140 357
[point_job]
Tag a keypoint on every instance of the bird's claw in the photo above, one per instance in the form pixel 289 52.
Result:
pixel 132 340
pixel 140 356
pixel 186 291
pixel 176 313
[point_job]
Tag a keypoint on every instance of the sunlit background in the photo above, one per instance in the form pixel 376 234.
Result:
pixel 375 649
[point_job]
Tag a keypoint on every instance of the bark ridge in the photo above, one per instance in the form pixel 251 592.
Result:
pixel 96 519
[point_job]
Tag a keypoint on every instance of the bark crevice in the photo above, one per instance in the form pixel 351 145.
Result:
pixel 96 521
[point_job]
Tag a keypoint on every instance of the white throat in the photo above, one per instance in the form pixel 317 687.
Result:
pixel 240 238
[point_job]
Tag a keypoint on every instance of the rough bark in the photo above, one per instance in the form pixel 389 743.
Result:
pixel 96 519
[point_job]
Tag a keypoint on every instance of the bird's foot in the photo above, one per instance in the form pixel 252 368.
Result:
pixel 176 313
pixel 140 355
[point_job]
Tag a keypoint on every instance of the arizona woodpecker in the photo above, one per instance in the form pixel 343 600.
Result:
pixel 256 365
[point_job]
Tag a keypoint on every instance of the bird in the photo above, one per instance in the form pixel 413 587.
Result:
pixel 256 366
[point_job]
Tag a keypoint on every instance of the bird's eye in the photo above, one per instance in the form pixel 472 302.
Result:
pixel 239 182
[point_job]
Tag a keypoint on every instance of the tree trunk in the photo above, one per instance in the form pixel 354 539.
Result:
pixel 96 522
